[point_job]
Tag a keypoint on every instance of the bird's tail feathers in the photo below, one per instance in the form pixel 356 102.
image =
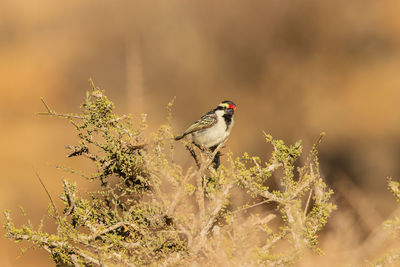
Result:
pixel 179 137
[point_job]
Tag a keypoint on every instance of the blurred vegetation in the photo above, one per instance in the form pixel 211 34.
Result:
pixel 294 69
pixel 392 258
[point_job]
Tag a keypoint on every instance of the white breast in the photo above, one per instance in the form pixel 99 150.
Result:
pixel 214 135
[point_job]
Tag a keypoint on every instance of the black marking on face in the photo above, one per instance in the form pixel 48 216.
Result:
pixel 228 119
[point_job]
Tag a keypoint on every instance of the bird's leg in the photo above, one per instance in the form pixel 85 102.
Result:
pixel 216 160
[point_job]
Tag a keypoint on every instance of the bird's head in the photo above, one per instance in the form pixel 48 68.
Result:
pixel 227 106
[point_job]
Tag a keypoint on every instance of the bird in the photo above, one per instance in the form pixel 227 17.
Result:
pixel 212 128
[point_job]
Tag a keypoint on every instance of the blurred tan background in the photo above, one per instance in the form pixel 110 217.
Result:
pixel 294 68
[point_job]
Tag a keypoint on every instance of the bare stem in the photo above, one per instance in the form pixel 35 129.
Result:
pixel 53 113
pixel 49 196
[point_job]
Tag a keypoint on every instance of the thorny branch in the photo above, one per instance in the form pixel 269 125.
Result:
pixel 149 210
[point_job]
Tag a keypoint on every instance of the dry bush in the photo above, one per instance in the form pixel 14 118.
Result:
pixel 148 209
pixel 391 258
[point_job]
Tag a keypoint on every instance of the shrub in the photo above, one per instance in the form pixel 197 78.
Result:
pixel 148 209
pixel 391 258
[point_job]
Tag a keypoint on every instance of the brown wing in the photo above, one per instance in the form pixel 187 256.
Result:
pixel 206 121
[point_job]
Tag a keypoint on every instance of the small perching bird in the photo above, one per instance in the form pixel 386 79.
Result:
pixel 213 128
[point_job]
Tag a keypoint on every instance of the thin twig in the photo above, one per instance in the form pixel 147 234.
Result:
pixel 53 113
pixel 48 194
pixel 251 206
pixel 310 156
pixel 47 106
pixel 69 116
pixel 193 154
pixel 308 203
pixel 200 184
pixel 92 84
pixel 109 229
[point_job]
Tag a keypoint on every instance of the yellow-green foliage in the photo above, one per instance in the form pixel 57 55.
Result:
pixel 394 224
pixel 150 210
pixel 392 258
